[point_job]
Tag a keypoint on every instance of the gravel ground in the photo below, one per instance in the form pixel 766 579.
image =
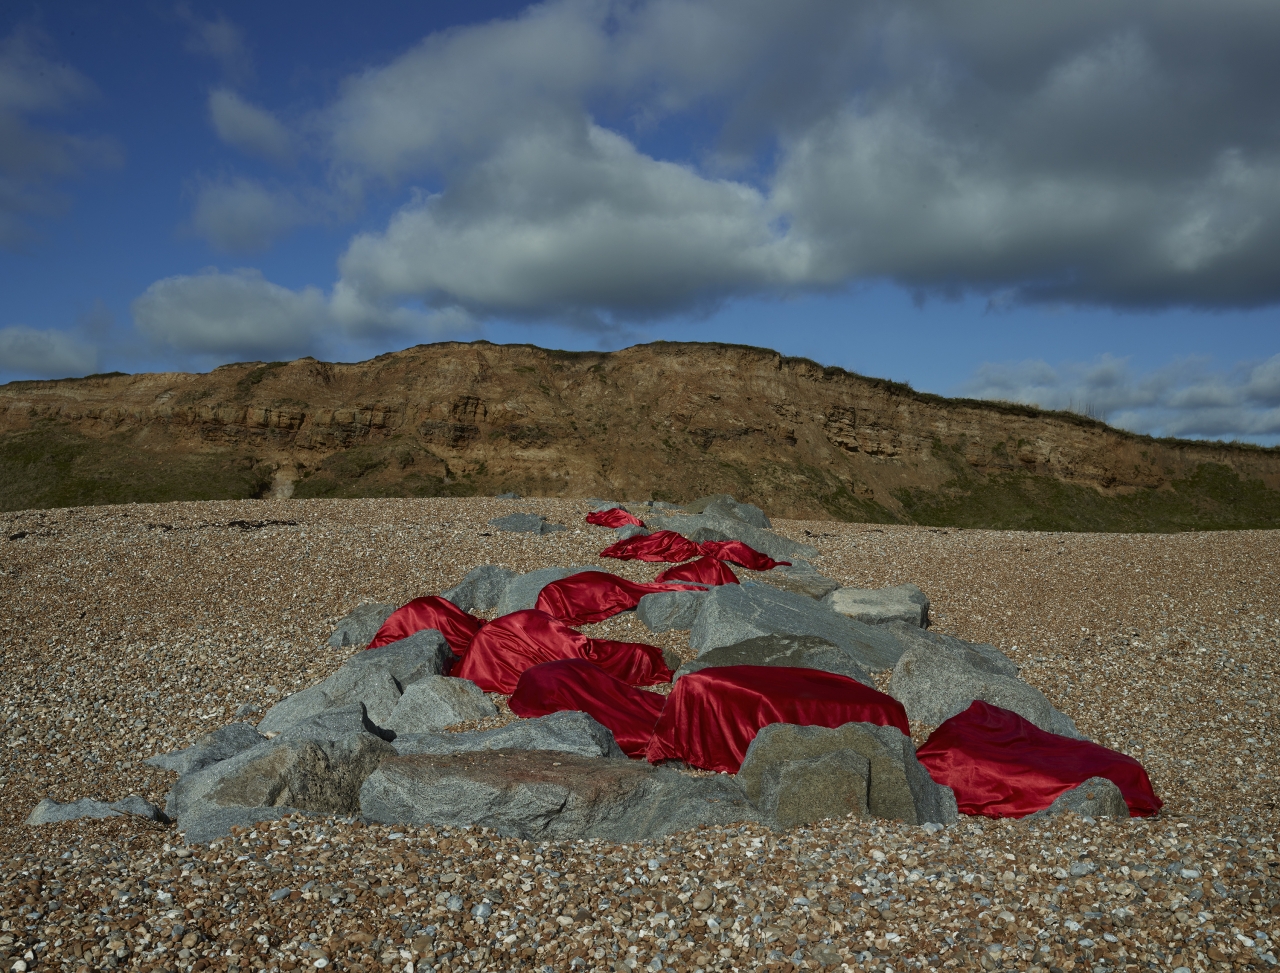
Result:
pixel 128 631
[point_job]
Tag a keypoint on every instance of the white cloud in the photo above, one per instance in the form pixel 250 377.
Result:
pixel 242 215
pixel 28 353
pixel 249 128
pixel 220 40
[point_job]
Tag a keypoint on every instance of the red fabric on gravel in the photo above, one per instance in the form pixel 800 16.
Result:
pixel 507 646
pixel 1002 766
pixel 457 627
pixel 741 554
pixel 616 517
pixel 707 570
pixel 593 596
pixel 712 715
pixel 575 684
pixel 661 545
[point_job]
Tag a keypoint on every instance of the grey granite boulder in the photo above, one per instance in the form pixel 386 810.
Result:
pixel 977 655
pixel 935 680
pixel 224 742
pixel 526 523
pixel 876 606
pixel 802 578
pixel 702 534
pixel 481 589
pixel 795 651
pixel 569 732
pixel 439 701
pixel 898 786
pixel 667 610
pixel 542 795
pixel 1097 797
pixel 522 591
pixel 360 626
pixel 733 613
pixel 374 677
pixel 810 789
pixel 49 811
pixel 216 822
pixel 765 541
pixel 627 531
pixel 724 505
pixel 334 724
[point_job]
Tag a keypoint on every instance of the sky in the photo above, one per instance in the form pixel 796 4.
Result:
pixel 1070 205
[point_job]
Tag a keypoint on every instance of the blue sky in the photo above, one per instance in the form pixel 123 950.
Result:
pixel 1076 206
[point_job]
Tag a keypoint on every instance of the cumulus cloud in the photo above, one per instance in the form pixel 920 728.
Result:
pixel 243 216
pixel 219 39
pixel 249 128
pixel 1188 398
pixel 30 353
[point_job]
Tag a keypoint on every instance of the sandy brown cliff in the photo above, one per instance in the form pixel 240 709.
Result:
pixel 670 421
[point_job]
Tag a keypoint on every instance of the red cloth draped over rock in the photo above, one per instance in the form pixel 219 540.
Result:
pixel 457 627
pixel 661 545
pixel 712 715
pixel 1003 766
pixel 575 684
pixel 736 552
pixel 507 646
pixel 707 570
pixel 617 517
pixel 593 596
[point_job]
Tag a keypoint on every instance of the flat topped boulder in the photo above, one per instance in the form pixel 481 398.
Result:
pixel 663 611
pixel 802 578
pixel 876 606
pixel 549 795
pixel 569 731
pixel 796 651
pixel 220 744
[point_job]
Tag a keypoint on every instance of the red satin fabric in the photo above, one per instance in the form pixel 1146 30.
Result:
pixel 1002 766
pixel 617 517
pixel 707 570
pixel 575 684
pixel 593 596
pixel 736 552
pixel 661 545
pixel 457 627
pixel 507 646
pixel 712 715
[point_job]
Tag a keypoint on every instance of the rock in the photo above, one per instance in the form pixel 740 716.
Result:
pixel 216 822
pixel 569 732
pixel 360 626
pixel 803 791
pixel 1097 797
pixel 898 786
pixel 978 655
pixel 522 590
pixel 936 679
pixel 224 742
pixel 439 701
pixel 798 651
pixel 526 523
pixel 334 724
pixel 374 677
pixel 876 606
pixel 49 811
pixel 481 589
pixel 733 613
pixel 627 531
pixel 766 541
pixel 724 505
pixel 247 709
pixel 665 610
pixel 543 795
pixel 509 495
pixel 802 578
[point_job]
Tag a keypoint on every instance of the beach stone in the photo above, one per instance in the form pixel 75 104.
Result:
pixel 360 626
pixel 439 701
pixel 481 589
pixel 807 790
pixel 49 811
pixel 796 651
pixel 899 788
pixel 224 742
pixel 802 578
pixel 876 606
pixel 522 590
pixel 1096 797
pixel 724 505
pixel 935 680
pixel 542 795
pixel 526 523
pixel 733 613
pixel 569 732
pixel 667 610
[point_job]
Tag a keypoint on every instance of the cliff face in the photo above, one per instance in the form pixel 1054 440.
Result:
pixel 671 421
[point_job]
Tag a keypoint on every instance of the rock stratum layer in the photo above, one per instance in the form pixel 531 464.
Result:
pixel 667 421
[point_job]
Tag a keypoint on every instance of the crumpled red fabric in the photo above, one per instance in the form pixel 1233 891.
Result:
pixel 712 715
pixel 457 627
pixel 1003 766
pixel 737 552
pixel 507 646
pixel 616 517
pixel 593 596
pixel 706 570
pixel 575 684
pixel 661 545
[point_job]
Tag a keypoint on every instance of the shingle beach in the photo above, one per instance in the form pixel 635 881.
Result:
pixel 130 631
